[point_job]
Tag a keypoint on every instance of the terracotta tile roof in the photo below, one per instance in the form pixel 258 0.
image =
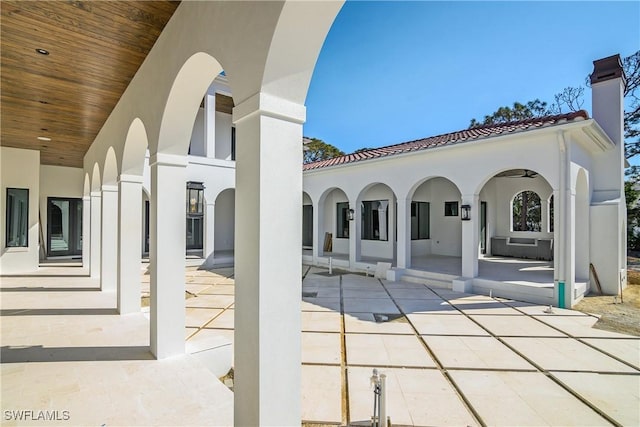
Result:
pixel 458 137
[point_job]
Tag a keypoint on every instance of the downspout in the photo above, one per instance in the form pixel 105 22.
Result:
pixel 564 213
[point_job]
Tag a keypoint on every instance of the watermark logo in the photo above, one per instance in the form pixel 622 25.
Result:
pixel 36 415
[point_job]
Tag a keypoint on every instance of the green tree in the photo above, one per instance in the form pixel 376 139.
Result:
pixel 316 149
pixel 527 212
pixel 570 99
pixel 632 194
pixel 519 111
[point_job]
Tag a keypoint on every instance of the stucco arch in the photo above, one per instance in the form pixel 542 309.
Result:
pixel 326 192
pixel 325 212
pixel 541 171
pixel 370 186
pixel 187 90
pixel 110 170
pixel 87 185
pixel 412 190
pixel 135 147
pixel 96 181
pixel 224 223
pixel 291 58
pixel 307 199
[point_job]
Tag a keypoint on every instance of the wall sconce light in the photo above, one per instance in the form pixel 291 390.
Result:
pixel 465 212
pixel 351 214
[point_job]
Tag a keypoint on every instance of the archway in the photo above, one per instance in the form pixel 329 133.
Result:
pixel 307 224
pixel 375 223
pixel 516 238
pixel 435 226
pixel 334 225
pixel 224 226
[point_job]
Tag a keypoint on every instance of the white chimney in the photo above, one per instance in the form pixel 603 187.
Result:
pixel 607 90
pixel 608 83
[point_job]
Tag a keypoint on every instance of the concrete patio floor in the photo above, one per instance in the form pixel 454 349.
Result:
pixel 450 358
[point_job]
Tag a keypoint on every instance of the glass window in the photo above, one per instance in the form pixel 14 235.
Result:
pixel 375 220
pixel 342 220
pixel 419 220
pixel 527 212
pixel 17 218
pixel 450 208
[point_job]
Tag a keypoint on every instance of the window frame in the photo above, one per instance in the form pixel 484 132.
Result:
pixel 418 222
pixel 452 212
pixel 526 213
pixel 344 221
pixel 363 223
pixel 8 222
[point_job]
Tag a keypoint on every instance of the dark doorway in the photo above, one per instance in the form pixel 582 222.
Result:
pixel 307 225
pixel 64 226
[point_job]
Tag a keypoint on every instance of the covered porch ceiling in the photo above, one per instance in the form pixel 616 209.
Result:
pixel 65 65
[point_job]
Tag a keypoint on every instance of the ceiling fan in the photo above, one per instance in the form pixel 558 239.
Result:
pixel 518 173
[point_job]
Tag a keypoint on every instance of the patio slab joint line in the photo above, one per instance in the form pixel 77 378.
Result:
pixel 581 340
pixel 346 416
pixel 543 371
pixel 439 365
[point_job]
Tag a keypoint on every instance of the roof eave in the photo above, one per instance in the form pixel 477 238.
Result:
pixel 597 137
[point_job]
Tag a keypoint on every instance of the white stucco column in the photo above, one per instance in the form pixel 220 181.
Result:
pixel 563 210
pixel 404 234
pixel 210 125
pixel 167 253
pixel 209 230
pixel 268 261
pixel 109 240
pixel 470 237
pixel 96 232
pixel 355 233
pixel 86 232
pixel 129 242
pixel 392 213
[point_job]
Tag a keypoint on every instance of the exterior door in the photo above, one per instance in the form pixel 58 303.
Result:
pixel 64 226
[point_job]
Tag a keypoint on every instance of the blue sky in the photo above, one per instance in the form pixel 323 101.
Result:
pixel 390 72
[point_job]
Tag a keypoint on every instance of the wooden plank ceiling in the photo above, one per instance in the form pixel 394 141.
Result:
pixel 95 49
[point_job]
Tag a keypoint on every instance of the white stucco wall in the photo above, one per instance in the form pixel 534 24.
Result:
pixel 20 169
pixel 197 145
pixel 225 221
pixel 445 231
pixel 223 136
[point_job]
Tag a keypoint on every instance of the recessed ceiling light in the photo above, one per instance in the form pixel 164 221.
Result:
pixel 42 51
pixel 43 102
pixel 44 138
pixel 44 129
